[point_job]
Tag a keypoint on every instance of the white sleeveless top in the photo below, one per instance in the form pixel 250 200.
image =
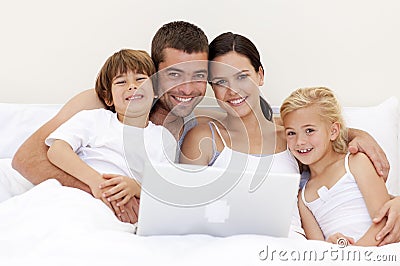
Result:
pixel 283 162
pixel 341 209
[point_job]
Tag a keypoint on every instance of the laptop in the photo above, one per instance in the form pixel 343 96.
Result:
pixel 180 199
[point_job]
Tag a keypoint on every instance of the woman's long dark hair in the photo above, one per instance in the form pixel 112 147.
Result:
pixel 228 42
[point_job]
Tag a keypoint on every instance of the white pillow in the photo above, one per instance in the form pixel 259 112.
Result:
pixel 19 121
pixel 382 122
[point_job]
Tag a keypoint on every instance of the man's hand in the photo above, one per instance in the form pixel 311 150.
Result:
pixel 390 233
pixel 363 142
pixel 129 212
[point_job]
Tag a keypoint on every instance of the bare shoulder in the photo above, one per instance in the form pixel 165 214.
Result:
pixel 359 164
pixel 359 158
pixel 194 149
pixel 198 132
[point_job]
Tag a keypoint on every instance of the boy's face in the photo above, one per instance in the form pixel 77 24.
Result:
pixel 182 81
pixel 132 95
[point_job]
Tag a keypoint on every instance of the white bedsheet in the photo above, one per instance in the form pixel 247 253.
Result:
pixel 55 225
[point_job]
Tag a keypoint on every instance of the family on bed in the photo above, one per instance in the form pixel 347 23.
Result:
pixel 142 103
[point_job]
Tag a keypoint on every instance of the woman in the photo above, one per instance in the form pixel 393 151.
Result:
pixel 235 75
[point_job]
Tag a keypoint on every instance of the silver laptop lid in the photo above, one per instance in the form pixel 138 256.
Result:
pixel 187 199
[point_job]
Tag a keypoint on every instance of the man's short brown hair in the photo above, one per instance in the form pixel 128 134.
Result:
pixel 179 35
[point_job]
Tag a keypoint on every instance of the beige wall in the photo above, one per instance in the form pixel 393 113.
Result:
pixel 51 50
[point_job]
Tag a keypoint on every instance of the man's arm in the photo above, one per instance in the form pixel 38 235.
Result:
pixel 31 158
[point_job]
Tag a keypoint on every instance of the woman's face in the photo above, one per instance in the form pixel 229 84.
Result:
pixel 236 83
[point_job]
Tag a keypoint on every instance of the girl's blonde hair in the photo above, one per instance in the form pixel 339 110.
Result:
pixel 328 104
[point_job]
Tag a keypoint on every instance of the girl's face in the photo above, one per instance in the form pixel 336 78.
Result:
pixel 308 135
pixel 132 95
pixel 236 83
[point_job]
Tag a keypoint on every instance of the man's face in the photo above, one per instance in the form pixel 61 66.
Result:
pixel 182 81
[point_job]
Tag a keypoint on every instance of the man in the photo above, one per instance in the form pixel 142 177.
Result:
pixel 180 52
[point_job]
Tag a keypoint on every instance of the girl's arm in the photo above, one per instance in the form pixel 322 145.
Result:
pixel 197 146
pixel 62 155
pixel 374 191
pixel 310 225
pixel 361 141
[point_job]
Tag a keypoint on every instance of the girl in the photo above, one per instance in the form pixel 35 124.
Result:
pixel 118 140
pixel 344 191
pixel 243 135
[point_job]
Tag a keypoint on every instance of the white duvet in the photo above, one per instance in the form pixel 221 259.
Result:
pixel 55 225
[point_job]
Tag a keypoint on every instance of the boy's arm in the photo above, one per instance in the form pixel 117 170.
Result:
pixel 374 192
pixel 31 158
pixel 63 156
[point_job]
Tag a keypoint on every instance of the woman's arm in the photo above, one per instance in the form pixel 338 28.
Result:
pixel 31 158
pixel 374 192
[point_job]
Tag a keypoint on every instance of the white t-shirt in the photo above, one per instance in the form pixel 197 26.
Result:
pixel 109 146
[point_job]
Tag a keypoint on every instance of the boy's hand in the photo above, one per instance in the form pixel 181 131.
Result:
pixel 121 188
pixel 97 192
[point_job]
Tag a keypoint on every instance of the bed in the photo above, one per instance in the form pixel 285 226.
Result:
pixel 55 225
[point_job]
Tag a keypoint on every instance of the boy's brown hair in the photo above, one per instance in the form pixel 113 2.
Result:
pixel 121 62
